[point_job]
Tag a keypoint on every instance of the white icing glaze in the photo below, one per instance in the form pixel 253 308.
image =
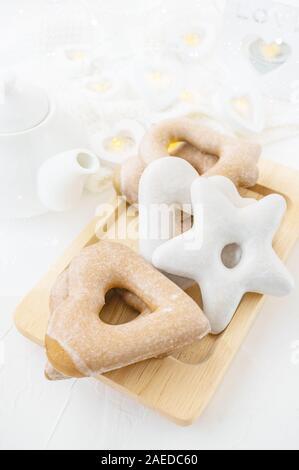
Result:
pixel 164 187
pixel 218 222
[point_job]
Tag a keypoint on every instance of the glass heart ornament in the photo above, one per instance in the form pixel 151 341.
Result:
pixel 242 108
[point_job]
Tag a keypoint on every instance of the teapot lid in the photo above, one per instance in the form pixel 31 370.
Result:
pixel 22 106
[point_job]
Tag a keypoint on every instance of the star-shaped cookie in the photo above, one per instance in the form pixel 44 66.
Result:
pixel 165 186
pixel 228 251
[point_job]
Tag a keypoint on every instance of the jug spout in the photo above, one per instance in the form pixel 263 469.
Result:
pixel 87 163
pixel 61 178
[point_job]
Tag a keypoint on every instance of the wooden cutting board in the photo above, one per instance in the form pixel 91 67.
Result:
pixel 179 386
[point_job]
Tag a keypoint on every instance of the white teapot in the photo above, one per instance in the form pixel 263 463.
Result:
pixel 32 131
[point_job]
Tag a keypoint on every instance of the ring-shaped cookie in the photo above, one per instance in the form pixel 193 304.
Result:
pixel 79 344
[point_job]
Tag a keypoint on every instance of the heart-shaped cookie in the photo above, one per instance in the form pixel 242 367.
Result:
pixel 243 108
pixel 80 344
